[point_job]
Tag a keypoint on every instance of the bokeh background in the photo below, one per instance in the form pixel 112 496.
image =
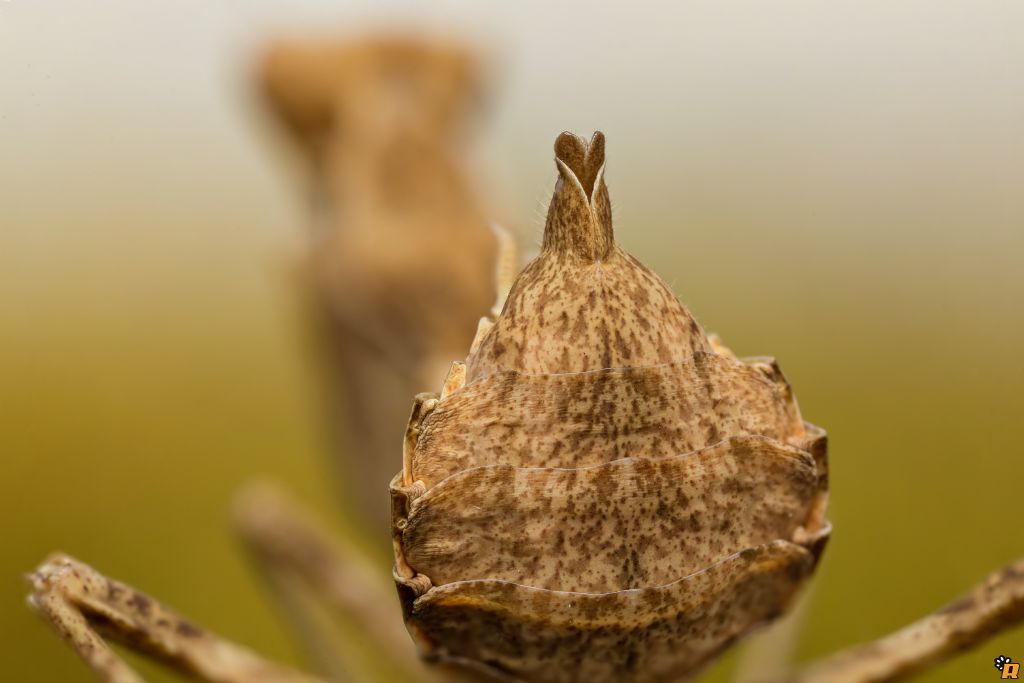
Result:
pixel 838 184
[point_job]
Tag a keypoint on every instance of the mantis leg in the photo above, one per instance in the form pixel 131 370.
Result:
pixel 345 610
pixel 86 608
pixel 992 607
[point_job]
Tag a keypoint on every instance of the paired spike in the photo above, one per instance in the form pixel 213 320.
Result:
pixel 579 222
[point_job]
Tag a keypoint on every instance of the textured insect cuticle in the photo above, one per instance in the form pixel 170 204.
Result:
pixel 608 485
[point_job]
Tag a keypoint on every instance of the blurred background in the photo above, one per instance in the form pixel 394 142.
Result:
pixel 835 184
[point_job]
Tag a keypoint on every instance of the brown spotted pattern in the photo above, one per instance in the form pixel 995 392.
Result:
pixel 655 634
pixel 603 493
pixel 85 608
pixel 580 419
pixel 584 304
pixel 628 524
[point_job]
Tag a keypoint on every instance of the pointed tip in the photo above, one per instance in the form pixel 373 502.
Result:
pixel 571 150
pixel 584 159
pixel 579 218
pixel 595 154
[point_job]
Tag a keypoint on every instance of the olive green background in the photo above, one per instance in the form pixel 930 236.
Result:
pixel 836 184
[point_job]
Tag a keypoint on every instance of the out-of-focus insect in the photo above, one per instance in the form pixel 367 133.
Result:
pixel 601 493
pixel 404 259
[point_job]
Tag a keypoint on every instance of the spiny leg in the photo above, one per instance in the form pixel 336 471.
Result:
pixel 84 606
pixel 992 607
pixel 328 588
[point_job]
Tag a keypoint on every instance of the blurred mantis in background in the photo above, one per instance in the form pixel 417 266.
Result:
pixel 403 263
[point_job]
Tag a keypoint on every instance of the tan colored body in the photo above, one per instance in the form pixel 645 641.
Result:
pixel 602 495
pixel 402 264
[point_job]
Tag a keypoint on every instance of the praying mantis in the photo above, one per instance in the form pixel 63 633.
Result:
pixel 591 404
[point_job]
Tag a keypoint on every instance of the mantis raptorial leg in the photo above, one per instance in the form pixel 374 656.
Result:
pixel 323 581
pixel 991 607
pixel 85 608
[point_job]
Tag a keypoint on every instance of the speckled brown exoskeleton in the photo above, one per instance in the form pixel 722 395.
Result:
pixel 601 492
